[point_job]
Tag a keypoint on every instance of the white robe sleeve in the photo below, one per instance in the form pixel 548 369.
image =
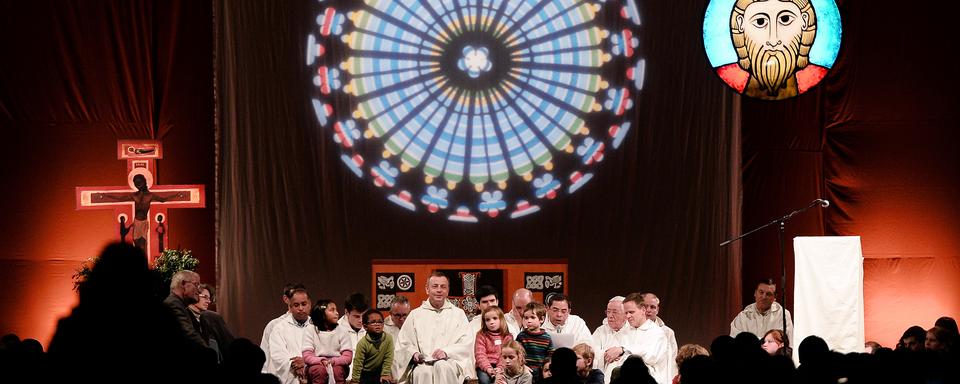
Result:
pixel 581 332
pixel 650 343
pixel 793 343
pixel 280 354
pixel 738 325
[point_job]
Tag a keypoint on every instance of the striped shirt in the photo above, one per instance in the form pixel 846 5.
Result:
pixel 538 347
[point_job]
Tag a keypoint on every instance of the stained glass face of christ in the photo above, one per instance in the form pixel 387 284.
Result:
pixel 772 49
pixel 476 108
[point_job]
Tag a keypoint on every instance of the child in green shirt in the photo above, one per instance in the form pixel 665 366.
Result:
pixel 374 354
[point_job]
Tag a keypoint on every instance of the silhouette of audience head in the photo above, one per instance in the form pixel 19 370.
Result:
pixel 698 369
pixel 813 349
pixel 634 370
pixel 723 348
pixel 563 366
pixel 913 339
pixel 688 351
pixel 244 362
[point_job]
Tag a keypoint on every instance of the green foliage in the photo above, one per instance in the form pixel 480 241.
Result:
pixel 172 261
pixel 168 264
pixel 83 272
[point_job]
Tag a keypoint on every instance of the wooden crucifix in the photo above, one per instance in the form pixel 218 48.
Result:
pixel 140 199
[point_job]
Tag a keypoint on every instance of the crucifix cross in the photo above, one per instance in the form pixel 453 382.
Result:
pixel 140 206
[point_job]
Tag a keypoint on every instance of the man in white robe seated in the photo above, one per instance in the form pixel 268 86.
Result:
pixel 399 310
pixel 647 339
pixel 521 297
pixel 561 321
pixel 610 337
pixel 286 340
pixel 763 315
pixel 487 297
pixel 651 304
pixel 265 338
pixel 435 339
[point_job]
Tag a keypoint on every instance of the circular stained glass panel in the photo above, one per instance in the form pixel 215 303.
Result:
pixel 475 108
pixel 772 50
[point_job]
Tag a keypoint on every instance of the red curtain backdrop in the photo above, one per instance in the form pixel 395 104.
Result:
pixel 878 139
pixel 76 76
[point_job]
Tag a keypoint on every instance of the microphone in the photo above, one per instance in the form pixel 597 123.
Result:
pixel 823 202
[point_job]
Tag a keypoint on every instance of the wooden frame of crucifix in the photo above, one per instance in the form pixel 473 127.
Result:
pixel 141 206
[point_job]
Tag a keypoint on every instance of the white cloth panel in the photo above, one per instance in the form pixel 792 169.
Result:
pixel 828 292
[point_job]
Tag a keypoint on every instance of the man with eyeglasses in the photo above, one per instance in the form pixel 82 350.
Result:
pixel 610 337
pixel 398 314
pixel 203 302
pixel 391 326
pixel 212 326
pixel 185 290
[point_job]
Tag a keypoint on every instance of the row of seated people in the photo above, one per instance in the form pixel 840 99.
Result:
pixel 472 349
pixel 436 343
pixel 437 349
pixel 120 331
pixel 740 359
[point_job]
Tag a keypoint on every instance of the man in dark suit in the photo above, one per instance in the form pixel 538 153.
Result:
pixel 185 290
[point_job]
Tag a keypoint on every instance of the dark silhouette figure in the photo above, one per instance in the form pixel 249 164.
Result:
pixel 121 332
pixel 243 363
pixel 563 367
pixel 634 371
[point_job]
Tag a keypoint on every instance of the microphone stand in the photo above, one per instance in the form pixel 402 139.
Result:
pixel 781 224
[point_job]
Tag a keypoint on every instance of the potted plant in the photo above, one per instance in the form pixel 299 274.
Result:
pixel 172 261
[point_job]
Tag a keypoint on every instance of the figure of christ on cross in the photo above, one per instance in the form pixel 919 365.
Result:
pixel 142 198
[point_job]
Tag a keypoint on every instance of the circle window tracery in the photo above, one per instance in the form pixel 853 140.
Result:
pixel 476 108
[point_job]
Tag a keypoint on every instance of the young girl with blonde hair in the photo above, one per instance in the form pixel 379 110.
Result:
pixel 492 336
pixel 515 369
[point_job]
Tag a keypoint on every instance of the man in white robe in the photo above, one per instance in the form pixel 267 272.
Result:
pixel 560 321
pixel 487 297
pixel 647 339
pixel 351 322
pixel 521 297
pixel 651 305
pixel 610 337
pixel 763 315
pixel 435 337
pixel 399 310
pixel 286 340
pixel 265 338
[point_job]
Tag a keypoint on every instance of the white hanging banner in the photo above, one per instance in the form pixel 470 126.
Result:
pixel 828 292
